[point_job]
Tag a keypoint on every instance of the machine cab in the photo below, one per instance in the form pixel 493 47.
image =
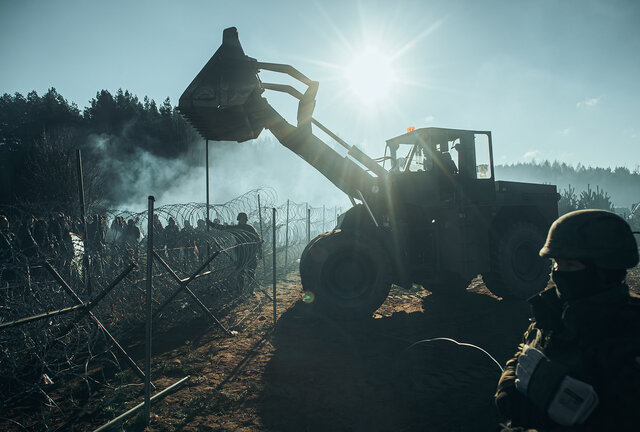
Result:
pixel 457 162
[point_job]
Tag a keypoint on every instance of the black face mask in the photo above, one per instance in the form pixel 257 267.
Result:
pixel 573 285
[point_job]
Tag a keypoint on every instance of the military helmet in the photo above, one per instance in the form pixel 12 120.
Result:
pixel 242 216
pixel 599 236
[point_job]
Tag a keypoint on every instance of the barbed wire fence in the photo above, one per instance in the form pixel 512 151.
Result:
pixel 61 340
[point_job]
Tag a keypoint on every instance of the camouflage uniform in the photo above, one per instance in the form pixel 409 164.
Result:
pixel 596 340
pixel 248 251
pixel 590 333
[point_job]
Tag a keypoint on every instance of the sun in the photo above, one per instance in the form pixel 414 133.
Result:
pixel 370 77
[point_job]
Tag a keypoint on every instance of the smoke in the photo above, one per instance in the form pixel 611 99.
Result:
pixel 133 172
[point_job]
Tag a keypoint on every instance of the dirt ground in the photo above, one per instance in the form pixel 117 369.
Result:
pixel 314 374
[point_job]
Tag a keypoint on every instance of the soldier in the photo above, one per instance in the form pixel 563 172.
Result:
pixel 249 252
pixel 578 368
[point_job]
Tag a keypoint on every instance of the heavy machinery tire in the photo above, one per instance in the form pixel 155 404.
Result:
pixel 348 275
pixel 517 271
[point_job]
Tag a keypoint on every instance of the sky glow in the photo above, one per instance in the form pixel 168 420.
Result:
pixel 370 77
pixel 555 80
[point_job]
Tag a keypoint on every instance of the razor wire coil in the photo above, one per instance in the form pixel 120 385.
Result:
pixel 40 354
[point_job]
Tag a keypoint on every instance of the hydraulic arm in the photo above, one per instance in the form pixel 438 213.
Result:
pixel 224 103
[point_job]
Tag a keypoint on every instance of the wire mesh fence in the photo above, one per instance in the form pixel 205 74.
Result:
pixel 53 336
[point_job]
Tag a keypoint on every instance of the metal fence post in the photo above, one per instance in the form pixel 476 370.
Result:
pixel 206 158
pixel 264 260
pixel 83 218
pixel 273 222
pixel 148 307
pixel 323 214
pixel 308 225
pixel 286 239
pixel 208 222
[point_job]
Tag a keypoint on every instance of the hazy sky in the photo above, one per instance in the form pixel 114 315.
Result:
pixel 553 79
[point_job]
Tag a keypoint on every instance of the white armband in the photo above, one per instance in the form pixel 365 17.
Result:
pixel 572 404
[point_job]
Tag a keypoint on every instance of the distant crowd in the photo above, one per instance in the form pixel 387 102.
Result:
pixel 58 238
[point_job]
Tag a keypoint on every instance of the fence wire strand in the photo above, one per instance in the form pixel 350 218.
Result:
pixel 62 352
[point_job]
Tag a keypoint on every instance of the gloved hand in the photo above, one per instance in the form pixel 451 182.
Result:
pixel 528 361
pixel 572 404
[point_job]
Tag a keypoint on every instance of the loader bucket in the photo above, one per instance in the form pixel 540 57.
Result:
pixel 223 102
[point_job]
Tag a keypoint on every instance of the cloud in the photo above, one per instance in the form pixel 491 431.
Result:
pixel 565 131
pixel 429 119
pixel 588 103
pixel 531 154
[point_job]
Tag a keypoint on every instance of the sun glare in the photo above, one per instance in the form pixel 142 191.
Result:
pixel 370 77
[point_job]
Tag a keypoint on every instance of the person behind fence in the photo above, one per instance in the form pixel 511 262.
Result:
pixel 201 239
pixel 40 234
pixel 27 244
pixel 578 367
pixel 172 236
pixel 188 240
pixel 132 237
pixel 62 237
pixel 116 232
pixel 252 251
pixel 7 244
pixel 158 235
pixel 102 230
pixel 6 240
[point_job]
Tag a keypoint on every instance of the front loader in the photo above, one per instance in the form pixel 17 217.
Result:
pixel 430 212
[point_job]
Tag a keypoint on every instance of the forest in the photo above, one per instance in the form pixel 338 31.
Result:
pixel 39 136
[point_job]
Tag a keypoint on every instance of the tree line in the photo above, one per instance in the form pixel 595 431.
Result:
pixel 621 184
pixel 39 135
